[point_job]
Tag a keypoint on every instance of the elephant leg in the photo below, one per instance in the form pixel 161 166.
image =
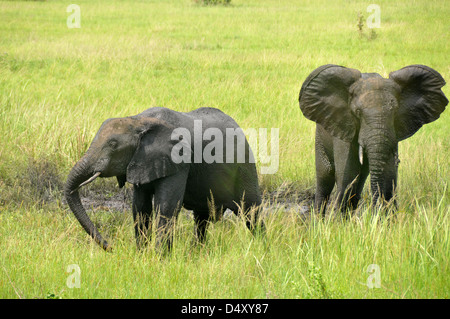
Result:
pixel 253 219
pixel 251 211
pixel 350 175
pixel 325 169
pixel 247 190
pixel 142 213
pixel 347 195
pixel 168 199
pixel 201 218
pixel 324 187
pixel 360 186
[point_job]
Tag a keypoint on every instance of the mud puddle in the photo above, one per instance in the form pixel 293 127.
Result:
pixel 284 198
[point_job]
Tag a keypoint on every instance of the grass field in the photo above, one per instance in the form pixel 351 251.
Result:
pixel 58 84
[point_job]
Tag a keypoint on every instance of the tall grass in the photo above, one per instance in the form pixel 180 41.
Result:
pixel 57 85
pixel 320 258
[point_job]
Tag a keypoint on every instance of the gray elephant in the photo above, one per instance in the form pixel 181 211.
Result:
pixel 173 159
pixel 360 118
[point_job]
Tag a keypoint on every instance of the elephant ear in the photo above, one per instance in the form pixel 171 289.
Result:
pixel 152 158
pixel 324 99
pixel 421 100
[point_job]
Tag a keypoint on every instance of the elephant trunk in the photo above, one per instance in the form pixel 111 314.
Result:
pixel 79 174
pixel 382 156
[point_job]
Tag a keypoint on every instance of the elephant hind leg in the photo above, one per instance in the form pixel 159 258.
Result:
pixel 254 221
pixel 251 210
pixel 249 204
pixel 201 218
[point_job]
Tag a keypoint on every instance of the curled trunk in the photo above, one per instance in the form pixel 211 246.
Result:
pixel 79 174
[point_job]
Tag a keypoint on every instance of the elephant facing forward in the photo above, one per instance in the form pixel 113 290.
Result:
pixel 360 119
pixel 160 152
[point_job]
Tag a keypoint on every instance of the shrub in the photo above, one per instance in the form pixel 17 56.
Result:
pixel 213 2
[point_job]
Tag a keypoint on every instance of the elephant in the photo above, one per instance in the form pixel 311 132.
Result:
pixel 162 153
pixel 360 118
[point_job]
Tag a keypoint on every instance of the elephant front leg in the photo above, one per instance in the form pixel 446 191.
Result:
pixel 324 187
pixel 168 199
pixel 350 175
pixel 325 169
pixel 142 213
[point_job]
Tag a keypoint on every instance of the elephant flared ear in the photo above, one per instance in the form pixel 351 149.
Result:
pixel 152 159
pixel 324 99
pixel 421 99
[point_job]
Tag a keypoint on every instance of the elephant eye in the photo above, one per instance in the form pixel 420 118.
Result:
pixel 391 104
pixel 358 112
pixel 113 144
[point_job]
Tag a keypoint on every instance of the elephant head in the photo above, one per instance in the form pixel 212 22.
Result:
pixel 374 112
pixel 134 149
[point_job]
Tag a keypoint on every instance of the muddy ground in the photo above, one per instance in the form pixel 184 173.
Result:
pixel 42 183
pixel 119 200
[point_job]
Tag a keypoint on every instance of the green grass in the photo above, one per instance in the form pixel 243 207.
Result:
pixel 319 259
pixel 57 85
